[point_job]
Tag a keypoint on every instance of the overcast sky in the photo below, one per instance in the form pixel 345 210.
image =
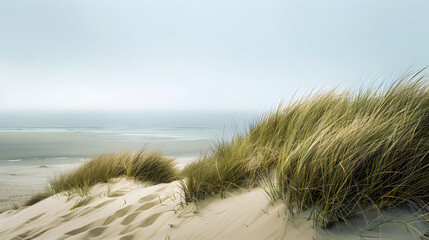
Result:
pixel 197 54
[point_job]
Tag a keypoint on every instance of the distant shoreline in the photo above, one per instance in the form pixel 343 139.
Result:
pixel 28 158
pixel 52 145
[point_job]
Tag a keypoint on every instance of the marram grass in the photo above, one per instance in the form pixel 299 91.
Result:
pixel 144 165
pixel 332 151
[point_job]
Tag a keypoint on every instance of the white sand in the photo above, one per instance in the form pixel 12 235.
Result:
pixel 19 182
pixel 128 210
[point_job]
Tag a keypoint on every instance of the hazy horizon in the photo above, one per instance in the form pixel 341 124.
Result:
pixel 198 55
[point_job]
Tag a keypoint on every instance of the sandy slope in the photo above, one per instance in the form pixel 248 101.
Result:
pixel 128 210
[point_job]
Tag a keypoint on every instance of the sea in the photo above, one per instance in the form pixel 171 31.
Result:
pixel 69 137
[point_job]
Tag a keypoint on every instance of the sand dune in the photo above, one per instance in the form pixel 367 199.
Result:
pixel 130 210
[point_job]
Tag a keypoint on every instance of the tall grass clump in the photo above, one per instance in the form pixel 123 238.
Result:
pixel 143 166
pixel 229 165
pixel 331 151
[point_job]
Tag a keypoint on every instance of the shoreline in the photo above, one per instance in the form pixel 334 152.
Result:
pixel 29 159
pixel 20 145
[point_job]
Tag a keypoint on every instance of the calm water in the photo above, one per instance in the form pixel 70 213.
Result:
pixel 51 136
pixel 180 125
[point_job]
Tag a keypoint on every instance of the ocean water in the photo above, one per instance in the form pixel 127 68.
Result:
pixel 43 138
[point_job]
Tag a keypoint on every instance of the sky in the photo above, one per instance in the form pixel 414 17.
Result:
pixel 198 54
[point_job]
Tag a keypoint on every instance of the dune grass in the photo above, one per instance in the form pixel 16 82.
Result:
pixel 143 166
pixel 330 151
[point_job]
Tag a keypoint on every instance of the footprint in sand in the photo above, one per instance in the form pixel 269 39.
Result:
pixel 88 211
pixel 104 203
pixel 120 213
pixel 130 218
pixel 39 233
pixel 23 235
pixel 145 223
pixel 148 198
pixel 68 216
pixel 96 231
pixel 109 220
pixel 76 213
pixel 79 230
pixel 149 221
pixel 34 218
pixel 128 237
pixel 147 206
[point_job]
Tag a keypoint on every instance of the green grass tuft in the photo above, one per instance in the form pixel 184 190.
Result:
pixel 143 166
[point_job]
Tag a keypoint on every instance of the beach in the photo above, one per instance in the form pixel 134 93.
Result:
pixel 29 159
pixel 36 146
pixel 330 167
pixel 214 120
